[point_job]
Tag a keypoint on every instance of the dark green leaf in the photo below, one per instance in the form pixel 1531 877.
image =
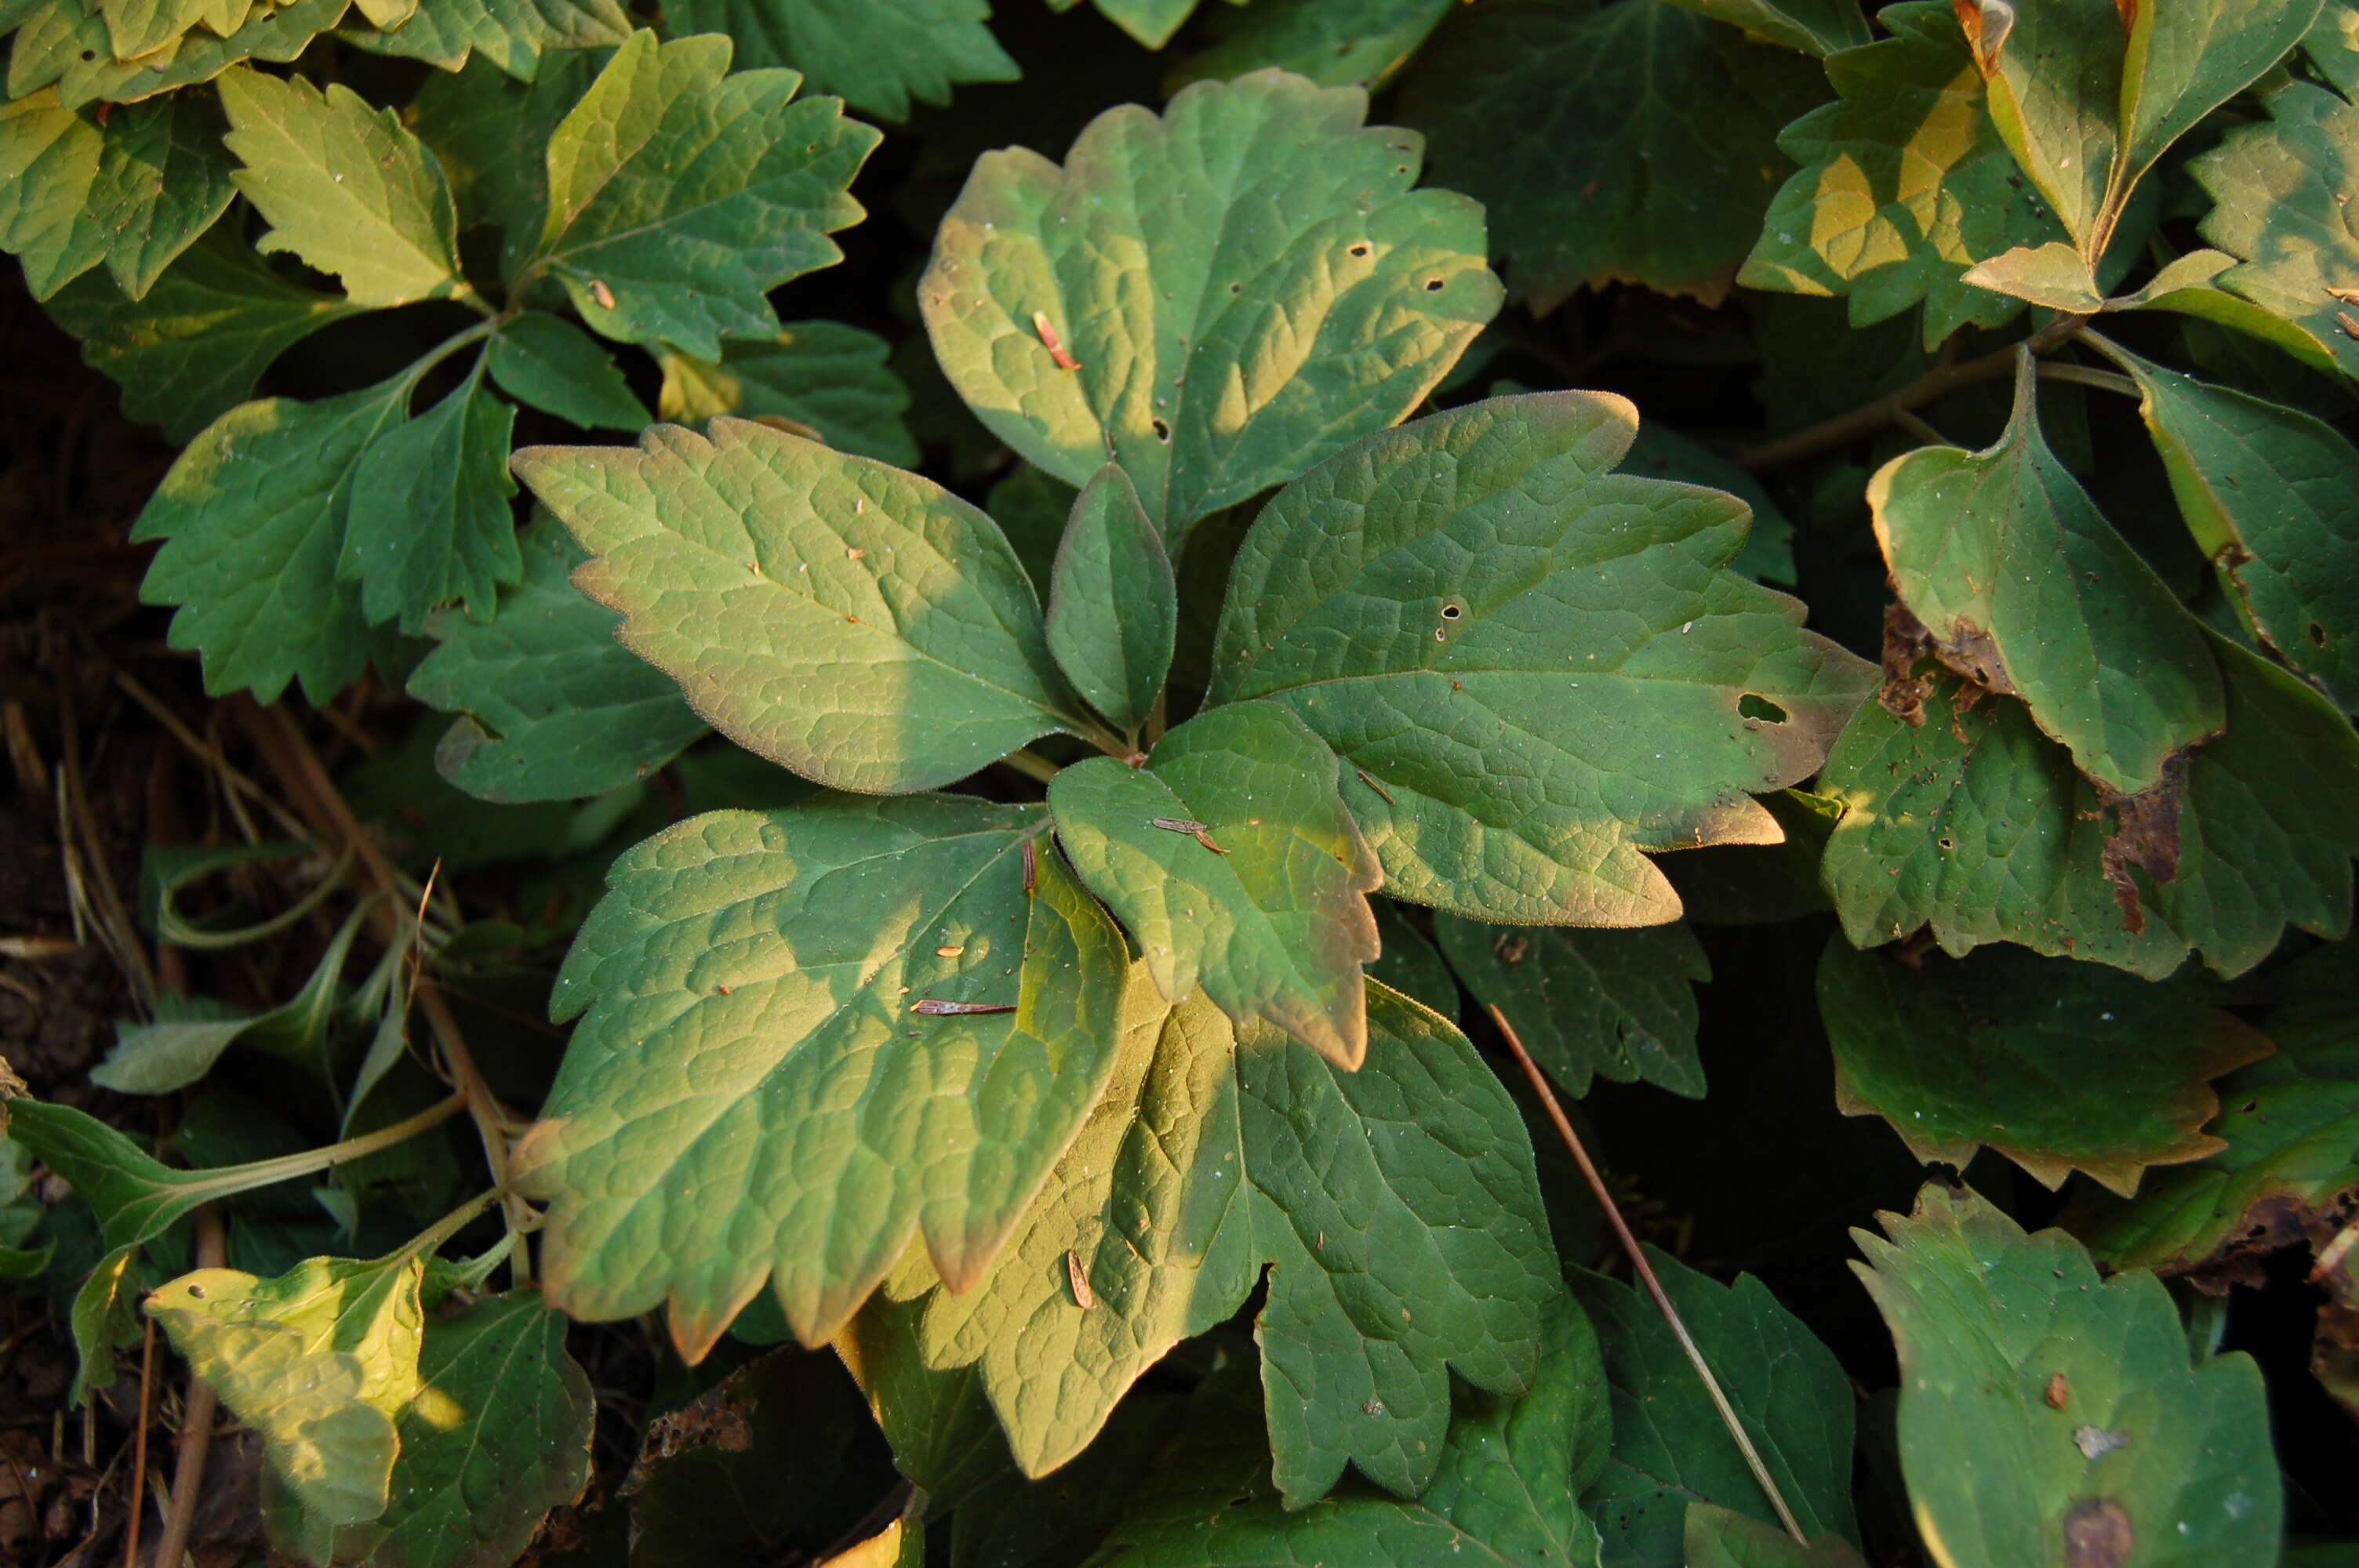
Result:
pixel 1815 27
pixel 875 56
pixel 2023 586
pixel 491 135
pixel 1233 862
pixel 1503 1484
pixel 2183 62
pixel 858 625
pixel 753 980
pixel 430 524
pixel 679 193
pixel 1118 307
pixel 551 707
pixel 1619 1004
pixel 345 187
pixel 1670 1448
pixel 191 349
pixel 2290 1128
pixel 1479 584
pixel 944 1437
pixel 2268 492
pixel 2059 1065
pixel 1336 43
pixel 2014 1352
pixel 1905 184
pixel 1717 1538
pixel 511 34
pixel 2054 73
pixel 1215 1154
pixel 550 364
pixel 497 1433
pixel 831 378
pixel 1409 963
pixel 1113 607
pixel 1662 452
pixel 1976 825
pixel 1646 142
pixel 253 517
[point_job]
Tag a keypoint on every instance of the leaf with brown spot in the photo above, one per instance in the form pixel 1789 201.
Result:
pixel 1983 1317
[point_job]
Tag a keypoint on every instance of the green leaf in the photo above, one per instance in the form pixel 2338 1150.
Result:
pixel 751 980
pixel 1648 152
pixel 1215 1152
pixel 831 378
pixel 2059 1065
pixel 1819 27
pixel 1478 584
pixel 858 625
pixel 2189 287
pixel 497 1433
pixel 1503 1484
pixel 2101 651
pixel 1114 605
pixel 491 135
pixel 429 523
pixel 2332 45
pixel 550 707
pixel 679 193
pixel 2277 185
pixel 190 1033
pixel 874 57
pixel 104 1318
pixel 1157 261
pixel 1336 43
pixel 2053 276
pixel 1013 1521
pixel 1905 184
pixel 1233 862
pixel 1617 1004
pixel 1150 22
pixel 138 27
pixel 253 517
pixel 2055 76
pixel 193 347
pixel 134 193
pixel 944 1438
pixel 345 187
pixel 1670 1449
pixel 1976 826
pixel 2183 62
pixel 66 43
pixel 2290 1135
pixel 134 1196
pixel 511 34
pixel 1717 1538
pixel 2267 492
pixel 2014 1351
pixel 550 364
pixel 318 1360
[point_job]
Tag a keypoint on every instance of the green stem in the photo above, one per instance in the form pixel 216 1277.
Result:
pixel 447 347
pixel 1031 764
pixel 232 1179
pixel 2089 375
pixel 431 1239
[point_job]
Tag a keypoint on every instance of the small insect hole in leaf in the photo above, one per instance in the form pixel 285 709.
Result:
pixel 1361 249
pixel 2317 634
pixel 1162 431
pixel 1452 611
pixel 1753 706
pixel 1433 286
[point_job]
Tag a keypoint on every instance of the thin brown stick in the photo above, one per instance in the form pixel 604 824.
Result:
pixel 1646 1275
pixel 1869 418
pixel 196 1436
pixel 139 1447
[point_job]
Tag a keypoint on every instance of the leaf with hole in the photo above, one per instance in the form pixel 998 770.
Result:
pixel 1480 584
pixel 1113 307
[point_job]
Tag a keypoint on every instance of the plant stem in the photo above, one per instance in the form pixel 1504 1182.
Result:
pixel 1646 1275
pixel 196 1435
pixel 1031 764
pixel 1870 418
pixel 2089 375
pixel 228 1179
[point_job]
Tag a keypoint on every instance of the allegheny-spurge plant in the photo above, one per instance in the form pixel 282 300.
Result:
pixel 1221 720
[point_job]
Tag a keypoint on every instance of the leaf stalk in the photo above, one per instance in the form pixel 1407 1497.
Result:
pixel 1646 1275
